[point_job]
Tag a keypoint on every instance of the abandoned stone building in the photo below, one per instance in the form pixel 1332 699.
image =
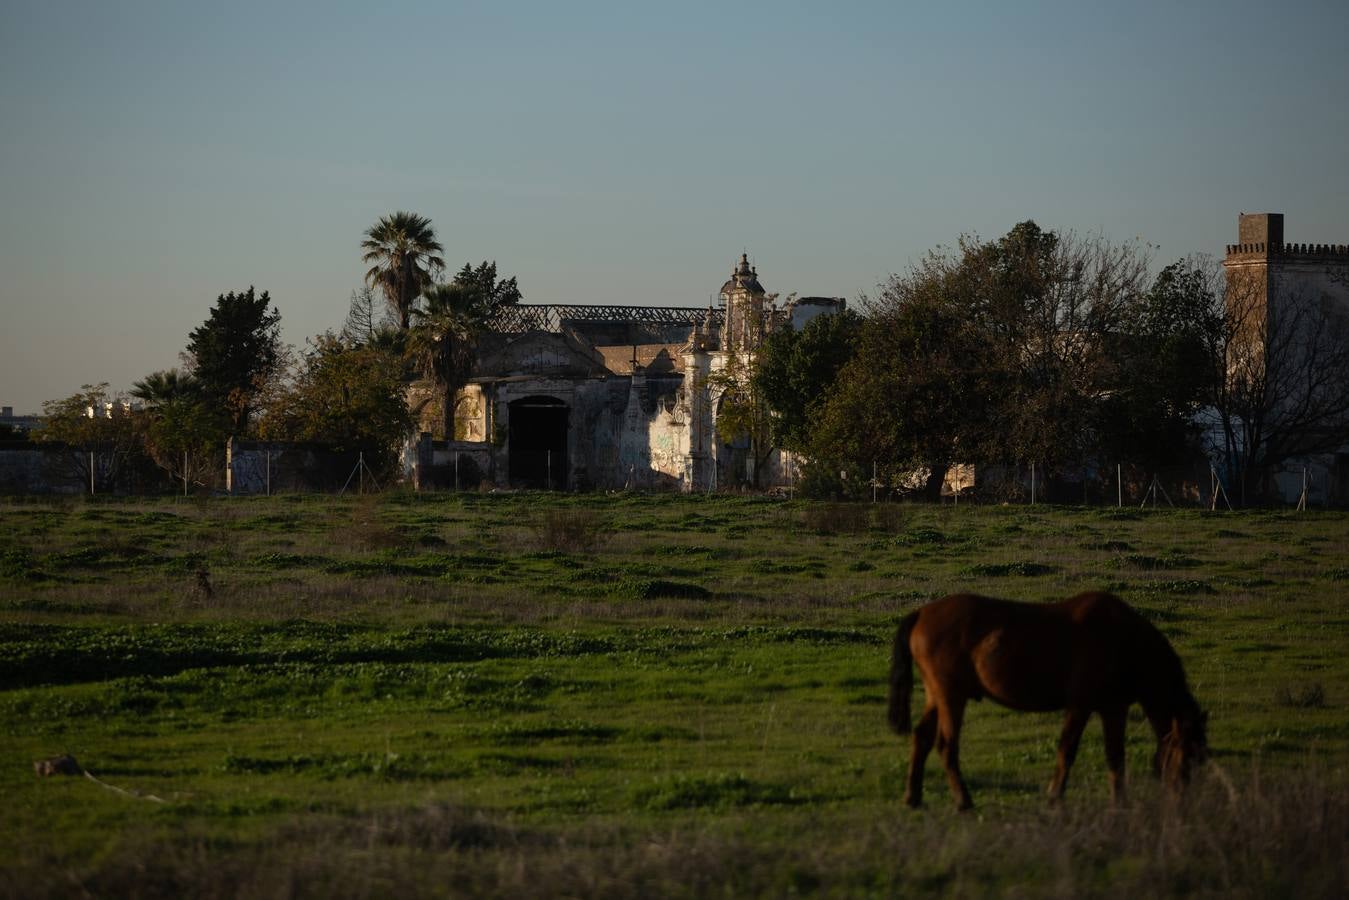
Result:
pixel 574 397
pixel 1282 273
pixel 1290 290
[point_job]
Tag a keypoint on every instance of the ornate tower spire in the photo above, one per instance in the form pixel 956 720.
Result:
pixel 744 298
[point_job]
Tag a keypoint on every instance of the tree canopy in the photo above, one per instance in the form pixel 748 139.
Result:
pixel 235 352
pixel 442 344
pixel 1038 347
pixel 100 429
pixel 404 258
pixel 796 369
pixel 489 292
pixel 181 432
pixel 351 396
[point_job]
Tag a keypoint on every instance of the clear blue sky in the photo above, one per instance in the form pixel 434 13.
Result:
pixel 155 155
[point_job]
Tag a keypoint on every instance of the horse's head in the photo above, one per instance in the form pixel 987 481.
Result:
pixel 1184 746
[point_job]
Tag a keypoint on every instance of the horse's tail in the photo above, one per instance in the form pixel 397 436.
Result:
pixel 901 676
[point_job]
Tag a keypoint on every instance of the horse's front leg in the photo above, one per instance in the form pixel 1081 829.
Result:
pixel 923 736
pixel 1073 723
pixel 1113 722
pixel 1160 727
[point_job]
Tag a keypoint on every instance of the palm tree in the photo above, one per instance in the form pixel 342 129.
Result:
pixel 162 388
pixel 442 344
pixel 403 252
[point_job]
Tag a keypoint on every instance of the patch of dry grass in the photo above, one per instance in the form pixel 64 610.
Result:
pixel 1281 837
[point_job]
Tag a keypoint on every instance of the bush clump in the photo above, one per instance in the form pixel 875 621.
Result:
pixel 565 530
pixel 1004 570
pixel 714 791
pixel 653 588
pixel 1303 696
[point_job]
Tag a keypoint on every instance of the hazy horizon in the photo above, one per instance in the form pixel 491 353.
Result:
pixel 157 155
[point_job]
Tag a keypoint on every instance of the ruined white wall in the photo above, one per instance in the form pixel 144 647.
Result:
pixel 470 414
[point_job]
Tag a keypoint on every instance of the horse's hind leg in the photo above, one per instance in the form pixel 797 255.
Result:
pixel 923 736
pixel 949 717
pixel 1073 723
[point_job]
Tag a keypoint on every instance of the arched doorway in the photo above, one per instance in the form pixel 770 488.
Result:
pixel 538 443
pixel 731 456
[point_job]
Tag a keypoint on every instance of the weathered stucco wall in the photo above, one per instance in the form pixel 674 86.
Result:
pixel 446 465
pixel 33 468
pixel 261 467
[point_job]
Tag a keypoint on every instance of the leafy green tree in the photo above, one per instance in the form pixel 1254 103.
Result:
pixel 351 396
pixel 442 344
pixel 742 413
pixel 1050 306
pixel 795 371
pixel 913 395
pixel 403 255
pixel 1167 360
pixel 101 432
pixel 236 353
pixel 164 387
pixel 999 352
pixel 492 293
pixel 182 433
pixel 1024 334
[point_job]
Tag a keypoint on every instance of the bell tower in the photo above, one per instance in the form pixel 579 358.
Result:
pixel 746 305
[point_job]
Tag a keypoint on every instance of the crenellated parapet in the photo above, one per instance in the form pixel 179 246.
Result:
pixel 1308 251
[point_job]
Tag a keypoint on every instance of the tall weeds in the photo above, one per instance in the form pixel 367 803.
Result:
pixel 568 530
pixel 1256 838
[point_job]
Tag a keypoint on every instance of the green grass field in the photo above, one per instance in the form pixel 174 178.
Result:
pixel 547 695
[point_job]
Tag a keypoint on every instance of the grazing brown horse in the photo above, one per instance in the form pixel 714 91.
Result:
pixel 1090 654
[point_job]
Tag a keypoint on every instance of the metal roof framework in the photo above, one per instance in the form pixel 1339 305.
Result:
pixel 551 317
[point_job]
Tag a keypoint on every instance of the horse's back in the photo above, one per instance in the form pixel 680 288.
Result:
pixel 968 616
pixel 1105 620
pixel 1026 655
pixel 1098 607
pixel 976 645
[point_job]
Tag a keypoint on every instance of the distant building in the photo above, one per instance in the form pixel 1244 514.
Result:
pixel 1282 272
pixel 1291 290
pixel 19 423
pixel 578 397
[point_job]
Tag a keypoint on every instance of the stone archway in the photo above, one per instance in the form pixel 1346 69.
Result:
pixel 538 442
pixel 730 458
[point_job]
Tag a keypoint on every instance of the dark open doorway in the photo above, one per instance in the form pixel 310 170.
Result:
pixel 538 443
